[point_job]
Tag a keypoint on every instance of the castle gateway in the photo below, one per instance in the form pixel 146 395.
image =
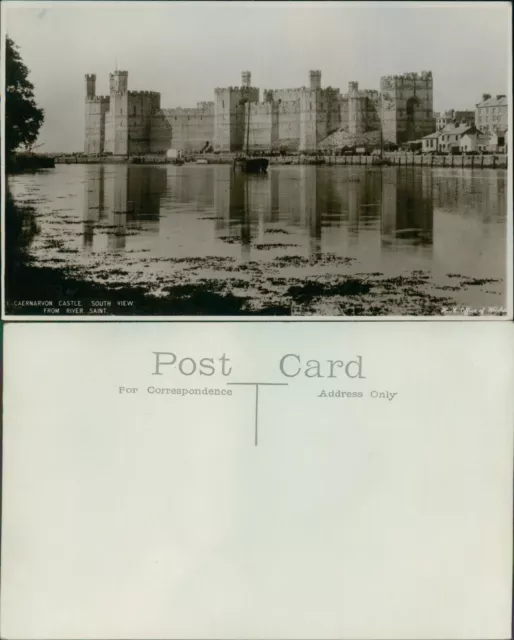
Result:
pixel 309 118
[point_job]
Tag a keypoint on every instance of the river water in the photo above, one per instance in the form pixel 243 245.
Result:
pixel 144 225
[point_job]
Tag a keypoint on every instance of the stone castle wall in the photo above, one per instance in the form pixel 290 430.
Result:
pixel 289 125
pixel 263 129
pixel 297 119
pixel 191 129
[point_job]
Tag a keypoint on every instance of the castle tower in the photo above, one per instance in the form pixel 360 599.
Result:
pixel 90 85
pixel 356 110
pixel 95 109
pixel 118 82
pixel 246 79
pixel 407 106
pixel 117 122
pixel 231 108
pixel 315 79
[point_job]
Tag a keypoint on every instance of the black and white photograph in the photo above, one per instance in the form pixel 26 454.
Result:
pixel 258 160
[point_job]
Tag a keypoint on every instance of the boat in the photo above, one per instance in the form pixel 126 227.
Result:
pixel 202 161
pixel 246 163
pixel 252 165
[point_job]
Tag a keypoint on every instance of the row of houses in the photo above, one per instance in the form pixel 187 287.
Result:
pixel 452 116
pixel 465 138
pixel 490 114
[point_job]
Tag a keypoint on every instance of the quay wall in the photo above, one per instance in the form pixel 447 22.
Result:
pixel 498 161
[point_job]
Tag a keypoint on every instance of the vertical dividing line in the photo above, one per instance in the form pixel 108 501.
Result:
pixel 256 414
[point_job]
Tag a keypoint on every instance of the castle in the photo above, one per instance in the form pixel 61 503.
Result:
pixel 302 119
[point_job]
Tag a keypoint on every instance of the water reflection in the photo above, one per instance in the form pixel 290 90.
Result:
pixel 323 207
pixel 407 209
pixel 382 217
pixel 122 199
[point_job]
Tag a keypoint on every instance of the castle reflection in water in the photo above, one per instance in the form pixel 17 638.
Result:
pixel 316 210
pixel 121 200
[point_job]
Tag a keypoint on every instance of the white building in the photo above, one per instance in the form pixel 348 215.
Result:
pixel 430 142
pixel 450 137
pixel 470 141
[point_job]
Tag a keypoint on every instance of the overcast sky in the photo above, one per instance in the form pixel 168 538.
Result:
pixel 185 49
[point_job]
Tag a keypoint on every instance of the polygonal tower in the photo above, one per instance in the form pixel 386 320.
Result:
pixel 96 108
pixel 407 106
pixel 117 125
pixel 356 110
pixel 231 107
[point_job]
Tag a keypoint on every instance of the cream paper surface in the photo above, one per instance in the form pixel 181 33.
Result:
pixel 138 514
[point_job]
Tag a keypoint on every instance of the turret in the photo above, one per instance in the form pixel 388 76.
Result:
pixel 353 88
pixel 90 85
pixel 246 78
pixel 315 79
pixel 118 82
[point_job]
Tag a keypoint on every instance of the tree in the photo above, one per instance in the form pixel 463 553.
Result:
pixel 23 118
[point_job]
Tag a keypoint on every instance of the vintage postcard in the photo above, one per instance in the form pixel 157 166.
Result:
pixel 256 160
pixel 257 481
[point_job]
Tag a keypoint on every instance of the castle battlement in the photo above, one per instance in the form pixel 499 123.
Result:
pixel 291 90
pixel 409 78
pixel 103 99
pixel 144 93
pixel 183 111
pixel 369 94
pixel 235 89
